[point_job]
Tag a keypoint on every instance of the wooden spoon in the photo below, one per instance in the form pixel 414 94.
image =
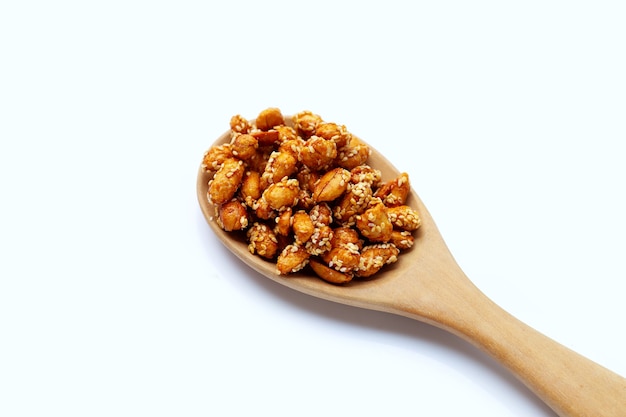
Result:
pixel 426 284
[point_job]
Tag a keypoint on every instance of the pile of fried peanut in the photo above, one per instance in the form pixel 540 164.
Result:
pixel 302 192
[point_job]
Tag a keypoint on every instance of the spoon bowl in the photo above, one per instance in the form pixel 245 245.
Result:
pixel 427 284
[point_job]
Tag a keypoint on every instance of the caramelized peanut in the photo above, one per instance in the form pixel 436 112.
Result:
pixel 318 153
pixel 303 227
pixel 266 138
pixel 374 257
pixel 353 154
pixel 233 215
pixel 244 146
pixel 269 118
pixel 292 259
pixel 305 196
pixel 404 217
pixel 250 190
pixel 329 274
pixel 333 131
pixel 394 193
pixel 263 210
pixel 374 223
pixel 331 185
pixel 354 201
pixel 319 242
pixel 283 194
pixel 215 157
pixel 343 259
pixel 239 124
pixel 283 222
pixel 366 174
pixel 226 181
pixel 286 133
pixel 346 236
pixel 279 166
pixel 403 239
pixel 308 178
pixel 292 146
pixel 262 241
pixel 321 215
pixel 306 123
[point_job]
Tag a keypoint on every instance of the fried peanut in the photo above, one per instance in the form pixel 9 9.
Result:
pixel 305 200
pixel 244 146
pixel 303 227
pixel 319 242
pixel 286 133
pixel 250 190
pixel 304 195
pixel 344 254
pixel 374 257
pixel 283 222
pixel 258 161
pixel 308 178
pixel 354 201
pixel 282 194
pixel 331 185
pixel 215 157
pixel 318 153
pixel 343 259
pixel 395 192
pixel 279 166
pixel 262 241
pixel 328 274
pixel 263 210
pixel 306 123
pixel 346 236
pixel 266 137
pixel 333 131
pixel 239 124
pixel 233 215
pixel 403 239
pixel 353 154
pixel 367 174
pixel 226 181
pixel 269 118
pixel 321 215
pixel 374 223
pixel 404 218
pixel 292 259
pixel 292 146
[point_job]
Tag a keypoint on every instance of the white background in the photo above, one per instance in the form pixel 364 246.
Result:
pixel 116 299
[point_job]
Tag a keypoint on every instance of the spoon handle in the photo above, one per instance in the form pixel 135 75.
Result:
pixel 571 384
